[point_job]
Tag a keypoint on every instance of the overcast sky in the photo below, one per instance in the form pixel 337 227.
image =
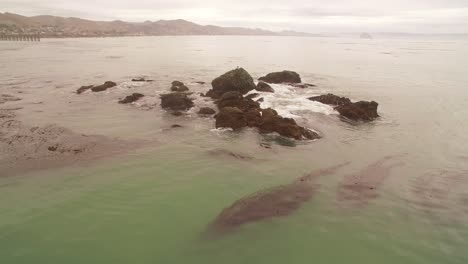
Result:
pixel 315 16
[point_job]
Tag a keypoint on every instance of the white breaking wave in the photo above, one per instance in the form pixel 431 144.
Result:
pixel 288 103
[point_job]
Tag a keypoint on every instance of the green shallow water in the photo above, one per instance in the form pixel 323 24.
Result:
pixel 154 207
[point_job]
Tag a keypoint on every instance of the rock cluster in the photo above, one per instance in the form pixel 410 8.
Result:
pixel 237 111
pixel 358 111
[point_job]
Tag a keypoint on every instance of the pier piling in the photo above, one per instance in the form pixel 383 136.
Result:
pixel 20 37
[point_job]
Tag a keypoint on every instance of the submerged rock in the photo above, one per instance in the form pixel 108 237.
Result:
pixel 331 99
pixel 178 87
pixel 103 87
pixel 131 98
pixel 176 101
pixel 238 80
pixel 359 111
pixel 281 77
pixel 83 89
pixel 264 87
pixel 206 111
pixel 301 85
pixel 279 201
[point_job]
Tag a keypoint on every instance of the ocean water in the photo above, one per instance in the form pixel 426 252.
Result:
pixel 154 204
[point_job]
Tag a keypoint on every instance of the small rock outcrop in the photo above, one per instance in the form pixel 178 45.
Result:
pixel 176 101
pixel 178 87
pixel 282 77
pixel 237 80
pixel 206 111
pixel 331 99
pixel 131 98
pixel 359 111
pixel 264 87
pixel 103 87
pixel 83 89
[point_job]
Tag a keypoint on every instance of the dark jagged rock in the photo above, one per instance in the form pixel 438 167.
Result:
pixel 264 87
pixel 176 126
pixel 231 117
pixel 363 110
pixel 179 87
pixel 176 101
pixel 272 122
pixel 331 99
pixel 177 83
pixel 253 117
pixel 238 80
pixel 281 77
pixel 103 87
pixel 131 98
pixel 83 89
pixel 206 111
pixel 235 99
pixel 140 79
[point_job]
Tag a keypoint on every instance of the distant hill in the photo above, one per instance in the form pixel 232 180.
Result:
pixel 53 26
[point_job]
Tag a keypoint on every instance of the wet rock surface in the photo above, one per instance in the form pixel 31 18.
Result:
pixel 282 77
pixel 235 99
pixel 331 99
pixel 359 111
pixel 176 101
pixel 131 98
pixel 206 111
pixel 103 87
pixel 231 117
pixel 237 80
pixel 264 87
pixel 278 201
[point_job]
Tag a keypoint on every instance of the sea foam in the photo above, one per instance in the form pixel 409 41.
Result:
pixel 288 102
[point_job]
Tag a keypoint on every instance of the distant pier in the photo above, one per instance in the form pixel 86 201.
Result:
pixel 20 37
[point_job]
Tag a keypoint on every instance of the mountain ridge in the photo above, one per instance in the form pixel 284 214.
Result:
pixel 56 26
